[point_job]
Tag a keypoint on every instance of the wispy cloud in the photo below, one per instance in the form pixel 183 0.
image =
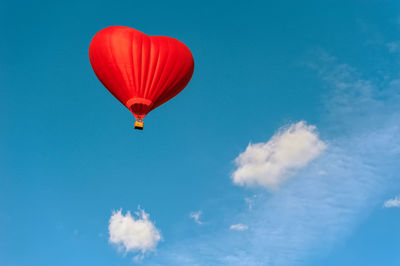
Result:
pixel 392 203
pixel 328 197
pixel 271 163
pixel 196 216
pixel 238 227
pixel 250 201
pixel 132 234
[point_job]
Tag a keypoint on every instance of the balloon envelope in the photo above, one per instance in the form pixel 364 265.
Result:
pixel 141 71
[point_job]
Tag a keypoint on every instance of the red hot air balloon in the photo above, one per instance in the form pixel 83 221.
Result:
pixel 141 71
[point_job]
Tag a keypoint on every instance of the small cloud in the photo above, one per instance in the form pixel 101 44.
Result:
pixel 238 227
pixel 196 216
pixel 250 201
pixel 133 234
pixel 270 163
pixel 392 203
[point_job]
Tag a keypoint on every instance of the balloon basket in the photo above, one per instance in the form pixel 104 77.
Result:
pixel 138 125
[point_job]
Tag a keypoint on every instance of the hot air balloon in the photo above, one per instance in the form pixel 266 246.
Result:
pixel 141 71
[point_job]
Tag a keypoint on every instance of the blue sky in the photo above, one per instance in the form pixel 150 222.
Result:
pixel 69 156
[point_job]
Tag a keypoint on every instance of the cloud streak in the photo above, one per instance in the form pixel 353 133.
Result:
pixel 238 227
pixel 392 203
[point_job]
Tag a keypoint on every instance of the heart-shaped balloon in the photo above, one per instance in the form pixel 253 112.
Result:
pixel 141 71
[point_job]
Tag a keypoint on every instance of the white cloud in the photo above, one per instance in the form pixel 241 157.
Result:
pixel 271 163
pixel 132 234
pixel 238 227
pixel 391 203
pixel 196 216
